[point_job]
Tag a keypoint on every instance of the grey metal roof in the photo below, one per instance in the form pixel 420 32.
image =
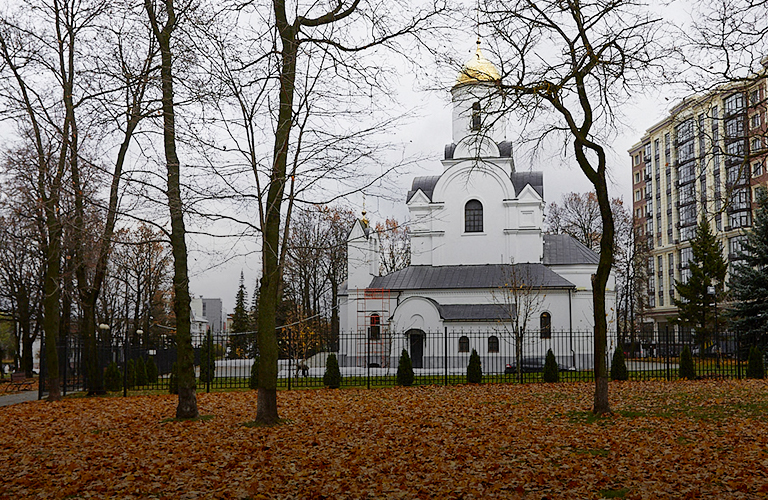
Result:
pixel 426 184
pixel 564 249
pixel 458 277
pixel 477 312
pixel 505 149
pixel 521 179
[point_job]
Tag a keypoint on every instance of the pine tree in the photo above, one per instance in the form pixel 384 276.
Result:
pixel 474 369
pixel 551 370
pixel 696 307
pixel 619 366
pixel 687 368
pixel 241 345
pixel 405 370
pixel 207 359
pixel 749 281
pixel 332 376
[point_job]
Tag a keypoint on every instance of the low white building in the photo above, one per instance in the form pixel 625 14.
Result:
pixel 475 228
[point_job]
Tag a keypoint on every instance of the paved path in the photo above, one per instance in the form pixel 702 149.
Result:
pixel 13 398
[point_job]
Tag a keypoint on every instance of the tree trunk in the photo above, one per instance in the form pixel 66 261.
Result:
pixel 187 405
pixel 269 294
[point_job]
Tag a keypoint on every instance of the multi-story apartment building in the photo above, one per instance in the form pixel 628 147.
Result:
pixel 704 160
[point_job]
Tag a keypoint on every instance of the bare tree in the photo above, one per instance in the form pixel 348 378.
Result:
pixel 521 298
pixel 164 21
pixel 573 62
pixel 395 241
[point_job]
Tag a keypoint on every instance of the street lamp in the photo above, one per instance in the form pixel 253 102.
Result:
pixel 104 330
pixel 711 290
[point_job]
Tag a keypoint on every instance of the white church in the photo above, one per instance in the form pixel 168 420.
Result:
pixel 472 228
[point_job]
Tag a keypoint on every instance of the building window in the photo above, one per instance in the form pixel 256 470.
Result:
pixel 545 325
pixel 476 116
pixel 734 103
pixel 473 217
pixel 493 344
pixel 755 121
pixel 637 177
pixel 374 330
pixel 463 343
pixel 757 169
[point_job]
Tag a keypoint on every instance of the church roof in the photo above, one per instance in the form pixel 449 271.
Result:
pixel 521 179
pixel 564 249
pixel 474 276
pixel 426 184
pixel 477 312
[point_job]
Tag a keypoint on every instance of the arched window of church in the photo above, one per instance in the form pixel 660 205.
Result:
pixel 493 344
pixel 463 343
pixel 476 116
pixel 374 330
pixel 545 325
pixel 473 217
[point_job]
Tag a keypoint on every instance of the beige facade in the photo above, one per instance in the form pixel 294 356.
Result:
pixel 704 160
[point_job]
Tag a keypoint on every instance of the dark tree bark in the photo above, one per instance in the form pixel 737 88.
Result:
pixel 187 406
pixel 594 51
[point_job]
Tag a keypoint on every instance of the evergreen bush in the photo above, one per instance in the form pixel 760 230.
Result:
pixel 113 379
pixel 405 370
pixel 619 366
pixel 755 365
pixel 207 360
pixel 151 368
pixel 332 376
pixel 551 370
pixel 474 369
pixel 253 383
pixel 173 382
pixel 130 379
pixel 687 368
pixel 141 373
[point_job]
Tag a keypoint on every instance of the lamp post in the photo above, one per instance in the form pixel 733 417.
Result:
pixel 711 290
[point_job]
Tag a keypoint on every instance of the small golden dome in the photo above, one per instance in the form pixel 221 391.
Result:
pixel 478 69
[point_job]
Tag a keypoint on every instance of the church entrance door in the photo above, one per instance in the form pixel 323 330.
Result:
pixel 417 347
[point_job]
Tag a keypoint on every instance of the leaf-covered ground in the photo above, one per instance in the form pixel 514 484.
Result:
pixel 705 439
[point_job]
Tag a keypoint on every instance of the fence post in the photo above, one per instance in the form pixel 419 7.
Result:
pixel 66 362
pixel 41 378
pixel 125 366
pixel 290 357
pixel 368 360
pixel 445 355
pixel 209 340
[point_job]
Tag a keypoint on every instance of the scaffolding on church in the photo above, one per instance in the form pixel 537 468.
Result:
pixel 373 341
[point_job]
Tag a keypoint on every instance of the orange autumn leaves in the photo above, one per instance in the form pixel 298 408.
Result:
pixel 702 439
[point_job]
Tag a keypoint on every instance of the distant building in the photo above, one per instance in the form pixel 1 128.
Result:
pixel 199 325
pixel 703 161
pixel 213 312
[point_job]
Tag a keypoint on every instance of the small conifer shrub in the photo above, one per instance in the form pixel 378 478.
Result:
pixel 130 378
pixel 474 369
pixel 405 370
pixel 755 365
pixel 332 376
pixel 253 382
pixel 113 379
pixel 687 368
pixel 619 366
pixel 151 371
pixel 173 382
pixel 141 373
pixel 551 370
pixel 207 360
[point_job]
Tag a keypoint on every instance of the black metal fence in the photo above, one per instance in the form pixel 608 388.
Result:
pixel 370 359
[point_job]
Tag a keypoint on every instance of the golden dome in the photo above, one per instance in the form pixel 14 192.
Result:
pixel 478 69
